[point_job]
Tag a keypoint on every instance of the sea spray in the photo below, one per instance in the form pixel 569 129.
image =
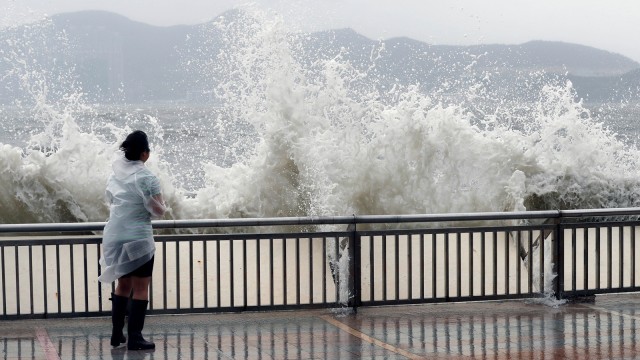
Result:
pixel 47 180
pixel 329 147
pixel 60 173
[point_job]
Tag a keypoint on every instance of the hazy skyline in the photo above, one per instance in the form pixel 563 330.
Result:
pixel 610 26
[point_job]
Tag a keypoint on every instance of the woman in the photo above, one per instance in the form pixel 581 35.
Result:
pixel 128 249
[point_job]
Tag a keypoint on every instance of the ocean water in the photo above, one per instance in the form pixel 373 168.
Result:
pixel 290 138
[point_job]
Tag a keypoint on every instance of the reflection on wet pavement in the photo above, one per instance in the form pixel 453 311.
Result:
pixel 605 329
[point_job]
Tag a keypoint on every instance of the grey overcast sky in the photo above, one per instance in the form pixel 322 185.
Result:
pixel 609 25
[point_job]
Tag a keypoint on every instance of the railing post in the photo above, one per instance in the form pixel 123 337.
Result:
pixel 354 268
pixel 558 259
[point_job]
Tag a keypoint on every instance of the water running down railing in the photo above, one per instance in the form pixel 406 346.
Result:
pixel 51 270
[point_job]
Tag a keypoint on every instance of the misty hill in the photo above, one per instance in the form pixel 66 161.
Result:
pixel 112 52
pixel 549 56
pixel 117 60
pixel 600 75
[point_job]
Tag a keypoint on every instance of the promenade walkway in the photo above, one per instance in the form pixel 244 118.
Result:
pixel 606 329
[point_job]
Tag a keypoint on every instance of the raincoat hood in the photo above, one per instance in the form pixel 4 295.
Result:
pixel 123 168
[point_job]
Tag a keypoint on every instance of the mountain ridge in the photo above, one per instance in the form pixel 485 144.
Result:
pixel 120 60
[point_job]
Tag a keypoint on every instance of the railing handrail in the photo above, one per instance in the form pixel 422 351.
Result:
pixel 327 220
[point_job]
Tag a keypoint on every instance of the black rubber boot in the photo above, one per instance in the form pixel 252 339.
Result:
pixel 136 323
pixel 118 312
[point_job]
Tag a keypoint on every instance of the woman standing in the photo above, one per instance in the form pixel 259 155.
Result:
pixel 128 249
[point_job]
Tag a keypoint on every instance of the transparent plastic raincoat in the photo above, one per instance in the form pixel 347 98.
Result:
pixel 134 197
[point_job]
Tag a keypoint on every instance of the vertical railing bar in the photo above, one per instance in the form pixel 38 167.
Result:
pixel 324 269
pixel 337 274
pixel 495 263
pixel 297 242
pixel 258 272
pixel 284 270
pixel 372 282
pixel 507 262
pixel 459 262
pixel 421 266
pixel 231 276
pixel 597 258
pixel 58 278
pixel 17 279
pixel 31 307
pixel 311 271
pixel 483 263
pixel 433 265
pixel 178 282
pixel 397 265
pixel 446 265
pixel 219 276
pixel 471 238
pixel 191 272
pixel 164 275
pixel 178 292
pixel 384 268
pixel 530 261
pixel 245 272
pixel 518 262
pixel 632 229
pixel 86 277
pixel 610 256
pixel 541 246
pixel 410 265
pixel 574 275
pixel 205 274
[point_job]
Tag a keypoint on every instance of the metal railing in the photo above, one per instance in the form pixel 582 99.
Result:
pixel 51 270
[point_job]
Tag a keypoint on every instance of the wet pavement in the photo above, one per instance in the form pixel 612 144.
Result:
pixel 604 329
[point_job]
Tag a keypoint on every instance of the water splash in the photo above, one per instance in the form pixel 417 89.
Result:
pixel 59 174
pixel 544 275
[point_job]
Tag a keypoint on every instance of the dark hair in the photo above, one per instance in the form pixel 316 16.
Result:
pixel 134 145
